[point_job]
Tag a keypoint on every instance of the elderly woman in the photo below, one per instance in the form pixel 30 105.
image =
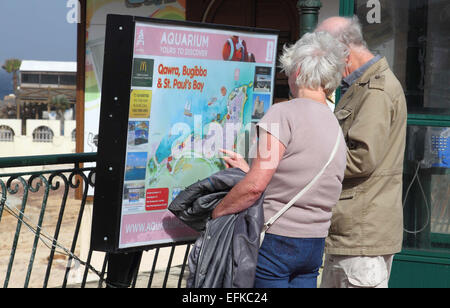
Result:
pixel 296 139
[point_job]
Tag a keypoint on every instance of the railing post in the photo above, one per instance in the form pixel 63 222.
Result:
pixel 309 15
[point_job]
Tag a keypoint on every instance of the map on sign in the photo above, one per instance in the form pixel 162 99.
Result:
pixel 192 94
pixel 188 147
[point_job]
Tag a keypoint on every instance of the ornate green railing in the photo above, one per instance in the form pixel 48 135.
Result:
pixel 49 195
pixel 27 185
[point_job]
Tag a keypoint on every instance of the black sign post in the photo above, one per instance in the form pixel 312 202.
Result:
pixel 118 61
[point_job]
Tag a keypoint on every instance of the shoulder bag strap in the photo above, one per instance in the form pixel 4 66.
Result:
pixel 271 221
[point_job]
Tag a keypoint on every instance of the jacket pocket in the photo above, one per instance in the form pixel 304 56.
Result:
pixel 347 195
pixel 344 116
pixel 341 226
pixel 342 219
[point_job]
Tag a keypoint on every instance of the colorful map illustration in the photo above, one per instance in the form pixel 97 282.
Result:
pixel 200 125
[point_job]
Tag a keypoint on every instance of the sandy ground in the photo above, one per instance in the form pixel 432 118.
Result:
pixel 8 227
pixel 23 252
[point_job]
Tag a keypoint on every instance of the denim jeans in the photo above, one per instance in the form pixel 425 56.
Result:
pixel 285 262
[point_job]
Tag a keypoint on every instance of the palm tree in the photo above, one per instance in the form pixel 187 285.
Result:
pixel 12 66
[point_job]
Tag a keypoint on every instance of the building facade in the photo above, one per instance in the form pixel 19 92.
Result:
pixel 41 137
pixel 40 83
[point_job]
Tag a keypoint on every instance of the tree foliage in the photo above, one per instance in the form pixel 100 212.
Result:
pixel 12 66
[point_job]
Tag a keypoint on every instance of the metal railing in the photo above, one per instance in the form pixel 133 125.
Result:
pixel 34 202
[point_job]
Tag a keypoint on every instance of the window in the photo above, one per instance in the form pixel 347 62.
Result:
pixel 67 80
pixel 49 79
pixel 43 134
pixel 74 135
pixel 30 78
pixel 6 134
pixel 414 36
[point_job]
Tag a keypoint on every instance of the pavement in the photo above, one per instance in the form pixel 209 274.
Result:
pixel 144 277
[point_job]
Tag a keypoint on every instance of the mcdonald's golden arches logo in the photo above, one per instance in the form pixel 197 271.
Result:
pixel 143 72
pixel 143 68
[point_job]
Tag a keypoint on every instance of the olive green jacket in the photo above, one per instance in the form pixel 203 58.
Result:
pixel 368 219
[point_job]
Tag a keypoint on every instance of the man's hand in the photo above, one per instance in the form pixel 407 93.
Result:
pixel 234 160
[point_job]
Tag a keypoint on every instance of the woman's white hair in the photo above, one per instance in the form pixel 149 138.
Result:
pixel 320 59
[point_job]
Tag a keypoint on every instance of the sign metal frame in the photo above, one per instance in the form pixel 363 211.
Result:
pixel 114 117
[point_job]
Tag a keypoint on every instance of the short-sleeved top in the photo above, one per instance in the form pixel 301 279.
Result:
pixel 308 130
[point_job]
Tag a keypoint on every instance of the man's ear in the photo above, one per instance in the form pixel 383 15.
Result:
pixel 297 72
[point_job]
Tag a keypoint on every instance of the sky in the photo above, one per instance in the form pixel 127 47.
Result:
pixel 36 30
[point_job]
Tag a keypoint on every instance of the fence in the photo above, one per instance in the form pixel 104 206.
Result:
pixel 41 217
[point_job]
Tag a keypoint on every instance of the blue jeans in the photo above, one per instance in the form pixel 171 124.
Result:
pixel 285 262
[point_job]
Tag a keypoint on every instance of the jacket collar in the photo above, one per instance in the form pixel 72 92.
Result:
pixel 375 68
pixel 348 81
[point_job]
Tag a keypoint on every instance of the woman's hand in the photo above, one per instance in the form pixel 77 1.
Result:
pixel 234 160
pixel 245 193
pixel 215 213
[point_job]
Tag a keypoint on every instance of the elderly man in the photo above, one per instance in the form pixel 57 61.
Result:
pixel 367 224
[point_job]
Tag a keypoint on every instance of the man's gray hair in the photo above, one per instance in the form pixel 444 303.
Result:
pixel 320 58
pixel 351 34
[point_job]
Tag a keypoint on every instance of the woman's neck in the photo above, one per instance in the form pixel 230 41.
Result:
pixel 315 95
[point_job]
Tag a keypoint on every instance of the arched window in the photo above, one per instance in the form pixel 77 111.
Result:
pixel 6 134
pixel 43 134
pixel 74 135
